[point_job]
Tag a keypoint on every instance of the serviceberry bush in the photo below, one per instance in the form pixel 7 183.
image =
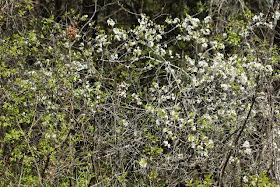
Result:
pixel 153 105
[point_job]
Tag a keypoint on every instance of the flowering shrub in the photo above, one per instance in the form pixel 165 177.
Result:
pixel 153 105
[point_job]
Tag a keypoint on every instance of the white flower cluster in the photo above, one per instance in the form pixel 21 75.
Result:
pixel 120 34
pixel 195 92
pixel 111 22
pixel 261 20
pixel 102 41
pixel 136 98
pixel 122 89
pixel 247 149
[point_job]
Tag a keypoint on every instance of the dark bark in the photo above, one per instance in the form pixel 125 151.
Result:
pixel 58 10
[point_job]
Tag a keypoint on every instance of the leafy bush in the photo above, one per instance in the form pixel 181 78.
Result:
pixel 154 105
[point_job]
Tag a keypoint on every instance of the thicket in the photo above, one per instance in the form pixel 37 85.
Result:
pixel 185 102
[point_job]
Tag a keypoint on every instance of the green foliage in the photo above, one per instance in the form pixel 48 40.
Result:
pixel 152 105
pixel 207 181
pixel 261 180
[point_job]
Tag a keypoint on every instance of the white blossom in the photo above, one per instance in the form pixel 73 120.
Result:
pixel 246 144
pixel 111 22
pixel 276 15
pixel 245 179
pixel 143 162
pixel 166 144
pixel 225 87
